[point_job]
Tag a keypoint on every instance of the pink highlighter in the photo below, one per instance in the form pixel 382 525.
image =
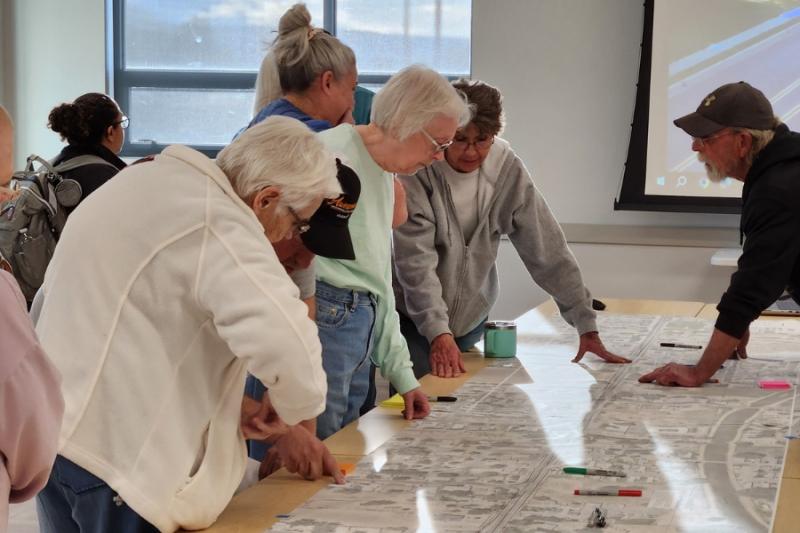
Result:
pixel 778 384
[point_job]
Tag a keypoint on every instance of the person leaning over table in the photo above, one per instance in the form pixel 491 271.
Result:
pixel 31 404
pixel 308 75
pixel 6 154
pixel 445 255
pixel 736 134
pixel 155 321
pixel 413 117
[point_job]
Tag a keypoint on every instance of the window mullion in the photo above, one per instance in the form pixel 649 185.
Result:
pixel 329 16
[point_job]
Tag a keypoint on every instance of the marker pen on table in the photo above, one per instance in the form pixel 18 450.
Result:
pixel 679 345
pixel 613 492
pixel 442 398
pixel 592 471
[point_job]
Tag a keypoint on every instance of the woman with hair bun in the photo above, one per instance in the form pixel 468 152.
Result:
pixel 308 75
pixel 91 125
pixel 316 73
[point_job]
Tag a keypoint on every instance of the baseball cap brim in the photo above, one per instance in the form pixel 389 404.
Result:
pixel 697 125
pixel 329 235
pixel 335 244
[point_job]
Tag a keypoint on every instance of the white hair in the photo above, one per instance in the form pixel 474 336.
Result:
pixel 761 138
pixel 268 86
pixel 412 98
pixel 284 153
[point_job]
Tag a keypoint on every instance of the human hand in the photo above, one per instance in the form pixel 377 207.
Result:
pixel 416 403
pixel 259 420
pixel 302 453
pixel 590 342
pixel 674 374
pixel 741 349
pixel 446 357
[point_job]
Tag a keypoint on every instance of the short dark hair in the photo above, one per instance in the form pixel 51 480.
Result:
pixel 486 103
pixel 84 121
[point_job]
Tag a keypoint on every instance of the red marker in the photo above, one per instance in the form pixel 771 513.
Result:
pixel 618 492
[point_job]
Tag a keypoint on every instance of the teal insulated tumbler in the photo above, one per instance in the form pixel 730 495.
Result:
pixel 500 339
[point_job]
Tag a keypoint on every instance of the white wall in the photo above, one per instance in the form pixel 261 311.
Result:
pixel 58 53
pixel 618 271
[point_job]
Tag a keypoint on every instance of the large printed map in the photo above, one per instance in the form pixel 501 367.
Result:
pixel 706 459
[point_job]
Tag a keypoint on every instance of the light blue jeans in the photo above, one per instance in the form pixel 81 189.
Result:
pixel 346 321
pixel 77 501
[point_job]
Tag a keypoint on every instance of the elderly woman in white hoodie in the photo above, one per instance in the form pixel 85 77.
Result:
pixel 458 208
pixel 163 293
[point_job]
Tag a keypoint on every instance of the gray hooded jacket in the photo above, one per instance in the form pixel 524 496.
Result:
pixel 447 285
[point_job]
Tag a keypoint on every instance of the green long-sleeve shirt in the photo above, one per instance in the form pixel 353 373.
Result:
pixel 371 232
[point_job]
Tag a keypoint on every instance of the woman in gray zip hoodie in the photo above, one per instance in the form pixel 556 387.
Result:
pixel 458 209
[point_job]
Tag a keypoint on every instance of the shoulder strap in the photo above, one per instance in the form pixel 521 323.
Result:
pixel 81 161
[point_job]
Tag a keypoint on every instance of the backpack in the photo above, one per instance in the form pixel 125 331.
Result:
pixel 31 223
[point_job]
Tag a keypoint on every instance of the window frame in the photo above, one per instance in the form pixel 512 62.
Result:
pixel 121 80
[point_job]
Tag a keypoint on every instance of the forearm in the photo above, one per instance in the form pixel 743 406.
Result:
pixel 311 303
pixel 720 347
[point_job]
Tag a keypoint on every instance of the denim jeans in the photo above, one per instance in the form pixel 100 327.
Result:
pixel 75 500
pixel 420 348
pixel 256 449
pixel 346 321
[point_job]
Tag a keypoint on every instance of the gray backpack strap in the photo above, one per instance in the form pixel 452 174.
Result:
pixel 80 161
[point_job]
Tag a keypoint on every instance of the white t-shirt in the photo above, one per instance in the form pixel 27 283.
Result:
pixel 464 191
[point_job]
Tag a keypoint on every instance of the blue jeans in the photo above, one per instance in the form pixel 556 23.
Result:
pixel 346 321
pixel 75 500
pixel 420 348
pixel 256 449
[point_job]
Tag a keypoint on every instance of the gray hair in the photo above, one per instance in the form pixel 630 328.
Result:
pixel 284 153
pixel 302 52
pixel 412 98
pixel 761 138
pixel 268 86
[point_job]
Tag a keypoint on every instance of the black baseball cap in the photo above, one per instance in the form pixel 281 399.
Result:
pixel 329 235
pixel 734 105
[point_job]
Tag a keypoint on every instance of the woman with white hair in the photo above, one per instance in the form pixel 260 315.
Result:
pixel 414 118
pixel 155 320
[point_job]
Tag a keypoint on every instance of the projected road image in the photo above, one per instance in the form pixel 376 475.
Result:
pixel 766 54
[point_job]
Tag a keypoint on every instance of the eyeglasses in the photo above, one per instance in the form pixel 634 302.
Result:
pixel 479 144
pixel 123 123
pixel 437 147
pixel 705 141
pixel 301 225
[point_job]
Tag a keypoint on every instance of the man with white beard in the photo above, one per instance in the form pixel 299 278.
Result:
pixel 736 134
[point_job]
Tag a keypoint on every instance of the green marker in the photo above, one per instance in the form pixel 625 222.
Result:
pixel 592 471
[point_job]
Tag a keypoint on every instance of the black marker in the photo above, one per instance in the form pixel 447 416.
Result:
pixel 677 345
pixel 442 398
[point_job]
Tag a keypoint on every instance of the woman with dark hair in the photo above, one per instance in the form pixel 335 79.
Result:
pixel 458 209
pixel 91 125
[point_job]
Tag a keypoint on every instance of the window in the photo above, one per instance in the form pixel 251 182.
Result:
pixel 184 70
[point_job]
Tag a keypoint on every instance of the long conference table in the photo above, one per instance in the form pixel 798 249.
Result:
pixel 260 506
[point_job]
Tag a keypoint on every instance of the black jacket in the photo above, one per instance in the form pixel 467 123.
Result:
pixel 90 177
pixel 770 261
